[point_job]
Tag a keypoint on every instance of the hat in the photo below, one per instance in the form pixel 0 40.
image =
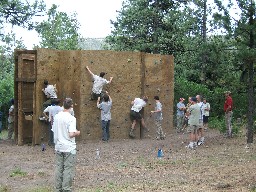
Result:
pixel 194 99
pixel 182 99
pixel 228 92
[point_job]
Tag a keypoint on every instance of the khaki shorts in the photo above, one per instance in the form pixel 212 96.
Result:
pixel 192 128
pixel 201 124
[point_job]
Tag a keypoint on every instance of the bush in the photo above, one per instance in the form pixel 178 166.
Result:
pixel 216 98
pixel 219 124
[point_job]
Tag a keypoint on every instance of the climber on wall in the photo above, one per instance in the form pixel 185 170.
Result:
pixel 98 83
pixel 135 114
pixel 50 92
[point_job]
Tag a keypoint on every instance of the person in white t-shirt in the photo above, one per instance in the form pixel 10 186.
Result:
pixel 52 110
pixel 135 115
pixel 98 83
pixel 11 120
pixel 65 131
pixel 206 113
pixel 201 126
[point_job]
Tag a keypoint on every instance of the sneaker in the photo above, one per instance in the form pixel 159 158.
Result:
pixel 191 146
pixel 200 143
pixel 42 118
pixel 131 134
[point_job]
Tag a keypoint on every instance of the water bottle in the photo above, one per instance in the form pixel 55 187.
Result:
pixel 97 154
pixel 43 147
pixel 160 153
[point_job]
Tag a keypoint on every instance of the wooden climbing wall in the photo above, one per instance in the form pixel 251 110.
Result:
pixel 135 74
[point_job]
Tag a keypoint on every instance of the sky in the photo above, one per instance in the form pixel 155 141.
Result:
pixel 93 15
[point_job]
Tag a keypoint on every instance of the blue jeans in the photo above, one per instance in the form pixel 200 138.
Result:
pixel 105 130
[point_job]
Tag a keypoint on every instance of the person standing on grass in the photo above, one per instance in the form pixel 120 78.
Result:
pixel 158 119
pixel 98 83
pixel 193 122
pixel 105 107
pixel 228 106
pixel 64 129
pixel 206 113
pixel 135 113
pixel 11 120
pixel 201 126
pixel 180 115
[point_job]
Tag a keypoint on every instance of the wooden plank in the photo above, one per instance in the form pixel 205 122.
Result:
pixel 20 115
pixel 28 57
pixel 29 80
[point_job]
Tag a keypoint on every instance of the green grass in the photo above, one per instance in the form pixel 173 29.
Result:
pixel 18 172
pixel 3 135
pixel 4 188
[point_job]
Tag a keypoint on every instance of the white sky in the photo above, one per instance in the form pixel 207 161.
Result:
pixel 93 15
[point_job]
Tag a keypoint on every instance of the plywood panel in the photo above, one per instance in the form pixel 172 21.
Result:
pixel 135 74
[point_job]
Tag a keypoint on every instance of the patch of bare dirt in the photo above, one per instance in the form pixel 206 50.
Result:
pixel 132 165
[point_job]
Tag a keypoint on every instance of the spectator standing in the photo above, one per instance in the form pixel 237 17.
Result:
pixel 228 107
pixel 11 120
pixel 64 129
pixel 98 83
pixel 105 107
pixel 206 113
pixel 180 115
pixel 201 126
pixel 187 113
pixel 193 123
pixel 158 119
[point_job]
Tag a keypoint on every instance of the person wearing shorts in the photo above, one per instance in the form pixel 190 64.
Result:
pixel 206 113
pixel 193 123
pixel 135 115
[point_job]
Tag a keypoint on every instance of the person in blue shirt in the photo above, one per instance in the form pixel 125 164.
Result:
pixel 105 107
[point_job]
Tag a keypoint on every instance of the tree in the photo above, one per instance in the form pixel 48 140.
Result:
pixel 147 25
pixel 59 31
pixel 243 30
pixel 20 13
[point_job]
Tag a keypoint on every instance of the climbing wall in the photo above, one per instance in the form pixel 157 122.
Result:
pixel 134 74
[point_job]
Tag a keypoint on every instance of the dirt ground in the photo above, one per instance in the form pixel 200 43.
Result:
pixel 221 164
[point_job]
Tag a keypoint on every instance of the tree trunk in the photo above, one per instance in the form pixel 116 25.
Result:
pixel 203 33
pixel 251 79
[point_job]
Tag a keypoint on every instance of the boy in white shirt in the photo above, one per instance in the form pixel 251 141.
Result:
pixel 98 83
pixel 135 115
